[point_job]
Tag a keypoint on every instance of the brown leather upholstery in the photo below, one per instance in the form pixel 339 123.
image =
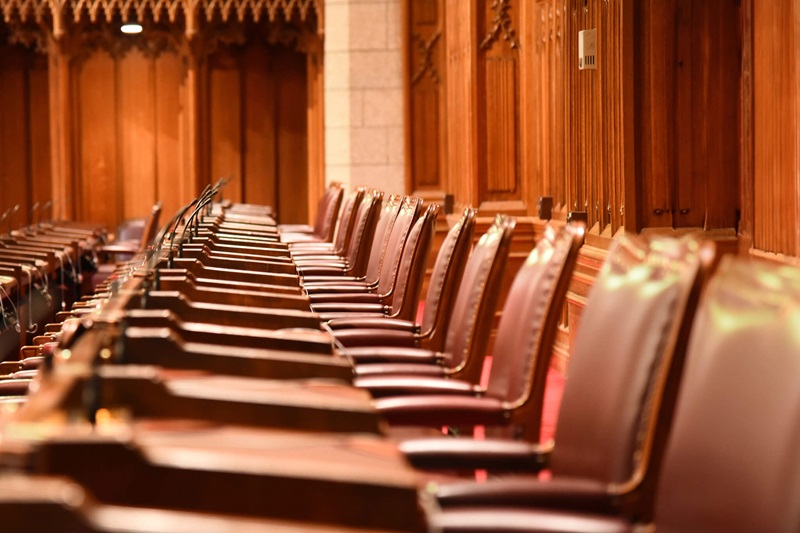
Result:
pixel 324 222
pixel 620 389
pixel 344 228
pixel 731 463
pixel 393 227
pixel 397 294
pixel 445 280
pixel 356 255
pixel 474 308
pixel 522 351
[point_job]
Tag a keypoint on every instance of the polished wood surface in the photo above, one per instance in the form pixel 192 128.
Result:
pixel 24 132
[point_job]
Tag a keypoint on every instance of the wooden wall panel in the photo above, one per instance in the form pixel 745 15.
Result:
pixel 171 186
pixel 24 133
pixel 501 186
pixel 595 180
pixel 14 166
pixel 225 119
pixel 259 100
pixel 39 133
pixel 776 44
pixel 128 113
pixel 137 133
pixel 100 195
pixel 542 100
pixel 292 148
pixel 461 126
pixel 424 46
pixel 688 68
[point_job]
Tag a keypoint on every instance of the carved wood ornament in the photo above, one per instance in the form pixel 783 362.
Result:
pixel 59 11
pixel 501 24
pixel 425 49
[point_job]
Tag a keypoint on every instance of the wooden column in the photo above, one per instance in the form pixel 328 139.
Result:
pixel 195 171
pixel 461 23
pixel 316 125
pixel 61 128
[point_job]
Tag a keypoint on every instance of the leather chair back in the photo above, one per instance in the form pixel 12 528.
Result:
pixel 150 228
pixel 396 246
pixel 411 267
pixel 366 219
pixel 325 221
pixel 445 280
pixel 344 228
pixel 380 241
pixel 626 361
pixel 529 323
pixel 476 301
pixel 733 459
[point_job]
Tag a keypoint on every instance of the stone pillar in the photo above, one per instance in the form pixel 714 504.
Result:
pixel 364 139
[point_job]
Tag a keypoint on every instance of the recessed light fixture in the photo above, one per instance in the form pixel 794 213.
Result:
pixel 131 27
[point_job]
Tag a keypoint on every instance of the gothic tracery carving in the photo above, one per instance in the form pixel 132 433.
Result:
pixel 501 25
pixel 211 10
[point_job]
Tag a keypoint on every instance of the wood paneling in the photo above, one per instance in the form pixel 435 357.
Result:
pixel 259 101
pixel 460 119
pixel 688 92
pixel 424 46
pixel 776 47
pixel 292 134
pixel 542 100
pixel 127 127
pixel 24 132
pixel 225 123
pixel 13 125
pixel 258 126
pixel 171 184
pixel 145 127
pixel 137 133
pixel 100 197
pixel 501 186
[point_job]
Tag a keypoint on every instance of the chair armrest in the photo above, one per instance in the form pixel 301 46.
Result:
pixel 321 269
pixel 314 260
pixel 295 228
pixel 441 410
pixel 398 369
pixel 383 386
pixel 324 280
pixel 311 248
pixel 464 453
pixel 391 354
pixel 333 287
pixel 119 248
pixel 345 298
pixel 383 323
pixel 348 307
pixel 482 520
pixel 527 490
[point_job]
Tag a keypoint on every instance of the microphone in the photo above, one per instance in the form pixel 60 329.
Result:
pixel 188 224
pixel 11 217
pixel 47 205
pixel 33 213
pixel 171 254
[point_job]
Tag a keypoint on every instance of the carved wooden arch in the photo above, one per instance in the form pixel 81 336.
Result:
pixel 192 11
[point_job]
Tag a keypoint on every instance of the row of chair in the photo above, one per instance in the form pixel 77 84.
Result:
pixel 674 387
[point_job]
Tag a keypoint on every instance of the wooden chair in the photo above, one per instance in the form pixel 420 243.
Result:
pixel 473 312
pixel 324 223
pixel 397 294
pixel 522 353
pixel 445 279
pixel 616 410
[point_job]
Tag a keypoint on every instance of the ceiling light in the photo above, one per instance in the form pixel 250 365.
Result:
pixel 131 28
